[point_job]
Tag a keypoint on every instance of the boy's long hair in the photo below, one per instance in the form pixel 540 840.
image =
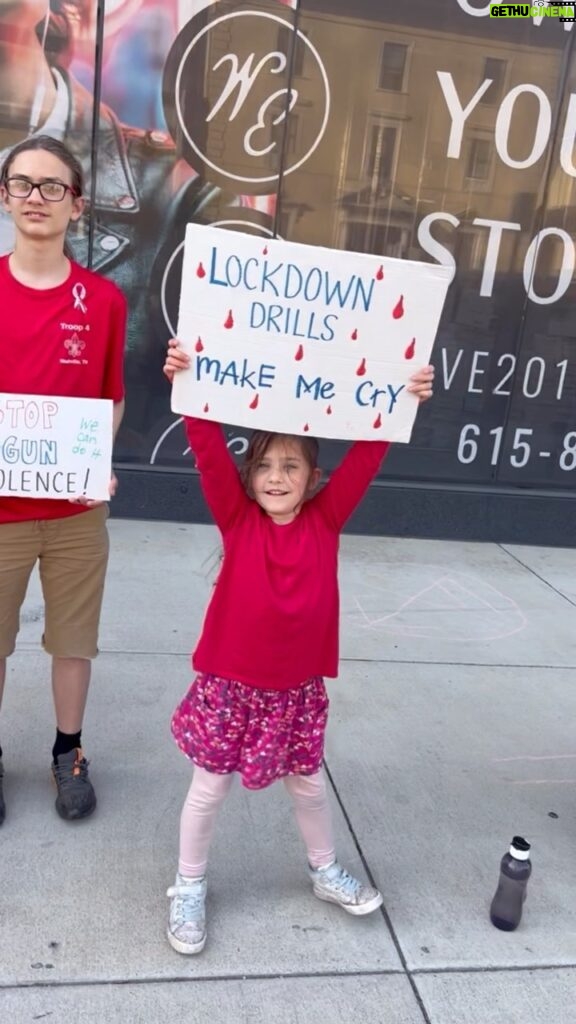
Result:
pixel 49 145
pixel 57 149
pixel 260 443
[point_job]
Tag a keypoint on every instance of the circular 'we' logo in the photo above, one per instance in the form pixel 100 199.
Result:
pixel 245 94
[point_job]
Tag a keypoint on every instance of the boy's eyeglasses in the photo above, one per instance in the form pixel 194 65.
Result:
pixel 51 191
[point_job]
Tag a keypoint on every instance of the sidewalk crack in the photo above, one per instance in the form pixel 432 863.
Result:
pixel 382 911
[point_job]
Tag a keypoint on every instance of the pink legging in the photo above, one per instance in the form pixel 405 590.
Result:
pixel 207 794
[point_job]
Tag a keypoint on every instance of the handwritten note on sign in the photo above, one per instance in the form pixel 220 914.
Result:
pixel 55 447
pixel 297 339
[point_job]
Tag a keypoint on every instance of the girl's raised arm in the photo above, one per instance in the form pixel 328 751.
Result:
pixel 349 483
pixel 221 484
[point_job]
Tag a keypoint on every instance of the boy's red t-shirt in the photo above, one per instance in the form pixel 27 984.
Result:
pixel 67 340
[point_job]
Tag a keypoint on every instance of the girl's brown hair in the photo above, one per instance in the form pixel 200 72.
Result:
pixel 260 443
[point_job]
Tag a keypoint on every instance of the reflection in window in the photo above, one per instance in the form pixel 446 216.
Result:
pixel 470 250
pixel 285 139
pixel 292 126
pixel 496 70
pixel 285 37
pixel 382 239
pixel 380 154
pixel 393 66
pixel 479 163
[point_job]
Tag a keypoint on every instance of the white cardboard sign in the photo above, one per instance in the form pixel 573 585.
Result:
pixel 55 447
pixel 296 338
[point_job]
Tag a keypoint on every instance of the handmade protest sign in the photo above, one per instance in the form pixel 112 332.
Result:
pixel 54 447
pixel 297 338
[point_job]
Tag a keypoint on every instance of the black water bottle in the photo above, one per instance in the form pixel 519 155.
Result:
pixel 515 869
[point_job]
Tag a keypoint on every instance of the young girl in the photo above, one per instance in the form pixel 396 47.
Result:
pixel 258 705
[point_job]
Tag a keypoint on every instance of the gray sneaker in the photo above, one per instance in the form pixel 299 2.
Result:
pixel 335 885
pixel 2 804
pixel 76 797
pixel 187 924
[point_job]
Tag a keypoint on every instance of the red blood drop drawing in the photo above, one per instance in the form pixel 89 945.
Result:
pixel 206 407
pixel 380 274
pixel 329 410
pixel 398 311
pixel 200 272
pixel 265 250
pixel 299 354
pixel 254 402
pixel 354 335
pixel 377 422
pixel 361 369
pixel 409 353
pixel 229 322
pixel 306 428
pixel 199 346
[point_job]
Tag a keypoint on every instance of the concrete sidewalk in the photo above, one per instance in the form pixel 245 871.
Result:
pixel 452 729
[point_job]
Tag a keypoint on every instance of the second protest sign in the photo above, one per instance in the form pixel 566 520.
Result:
pixel 55 447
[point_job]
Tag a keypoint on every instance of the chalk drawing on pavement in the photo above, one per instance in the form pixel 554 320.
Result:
pixel 451 606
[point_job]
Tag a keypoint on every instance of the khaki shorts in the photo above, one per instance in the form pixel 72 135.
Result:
pixel 73 555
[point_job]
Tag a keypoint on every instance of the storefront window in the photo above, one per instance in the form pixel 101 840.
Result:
pixel 495 70
pixel 429 132
pixel 393 67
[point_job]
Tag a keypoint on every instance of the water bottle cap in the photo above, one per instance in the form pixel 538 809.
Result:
pixel 520 849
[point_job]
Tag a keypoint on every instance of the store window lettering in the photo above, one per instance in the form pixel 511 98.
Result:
pixel 542 128
pixel 540 132
pixel 522 450
pixel 250 97
pixel 242 80
pixel 537 141
pixel 496 231
pixel 480 372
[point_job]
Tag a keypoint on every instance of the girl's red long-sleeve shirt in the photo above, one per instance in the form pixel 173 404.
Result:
pixel 273 619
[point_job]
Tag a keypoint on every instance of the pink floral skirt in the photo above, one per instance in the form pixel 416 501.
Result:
pixel 226 726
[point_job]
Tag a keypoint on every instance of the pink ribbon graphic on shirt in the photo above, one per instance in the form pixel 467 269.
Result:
pixel 79 293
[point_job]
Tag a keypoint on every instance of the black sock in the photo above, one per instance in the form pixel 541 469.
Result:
pixel 65 742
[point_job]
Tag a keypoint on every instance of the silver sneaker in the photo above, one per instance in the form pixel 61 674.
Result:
pixel 335 885
pixel 187 924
